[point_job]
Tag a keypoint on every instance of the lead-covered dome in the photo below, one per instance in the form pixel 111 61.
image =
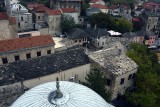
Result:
pixel 74 95
pixel 18 8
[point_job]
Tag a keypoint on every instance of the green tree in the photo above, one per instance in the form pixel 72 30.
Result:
pixel 84 7
pixel 96 81
pixel 147 84
pixel 124 26
pixel 103 20
pixel 67 23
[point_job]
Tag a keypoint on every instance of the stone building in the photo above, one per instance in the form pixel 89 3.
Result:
pixel 70 64
pixel 53 18
pixel 8 27
pixel 77 36
pixel 118 69
pixel 47 21
pixel 135 37
pixel 56 4
pixel 23 17
pixel 151 21
pixel 25 48
pixel 71 12
pixel 98 36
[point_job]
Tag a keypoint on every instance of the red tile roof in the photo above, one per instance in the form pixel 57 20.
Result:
pixel 41 9
pixel 99 6
pixel 4 16
pixel 34 5
pixel 53 12
pixel 113 7
pixel 27 42
pixel 12 20
pixel 136 20
pixel 94 1
pixel 68 10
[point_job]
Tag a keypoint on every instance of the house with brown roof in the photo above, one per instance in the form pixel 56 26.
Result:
pixel 103 8
pixel 56 4
pixel 8 27
pixel 47 20
pixel 31 6
pixel 12 50
pixel 71 12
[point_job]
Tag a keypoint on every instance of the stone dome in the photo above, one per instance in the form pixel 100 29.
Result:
pixel 73 95
pixel 18 8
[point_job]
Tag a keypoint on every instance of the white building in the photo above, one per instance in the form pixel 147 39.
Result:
pixel 118 69
pixel 72 12
pixel 23 17
pixel 98 36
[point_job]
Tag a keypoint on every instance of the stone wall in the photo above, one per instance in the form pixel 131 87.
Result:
pixel 22 53
pixel 54 24
pixel 4 30
pixel 121 89
pixel 44 31
pixel 24 21
pixel 13 31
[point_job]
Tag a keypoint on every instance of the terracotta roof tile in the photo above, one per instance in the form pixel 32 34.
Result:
pixel 12 20
pixel 68 10
pixel 53 12
pixel 34 5
pixel 27 42
pixel 113 7
pixel 94 1
pixel 99 6
pixel 3 16
pixel 41 9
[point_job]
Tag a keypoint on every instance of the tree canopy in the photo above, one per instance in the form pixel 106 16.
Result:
pixel 147 84
pixel 67 23
pixel 103 20
pixel 96 81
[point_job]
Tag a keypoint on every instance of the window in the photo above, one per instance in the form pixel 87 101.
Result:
pixel 28 55
pixel 38 53
pixel 102 43
pixel 79 40
pixel 4 60
pixel 16 57
pixel 98 44
pixel 39 17
pixel 108 82
pixel 48 51
pixel 21 18
pixel 19 24
pixel 122 81
pixel 75 41
pixel 130 76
